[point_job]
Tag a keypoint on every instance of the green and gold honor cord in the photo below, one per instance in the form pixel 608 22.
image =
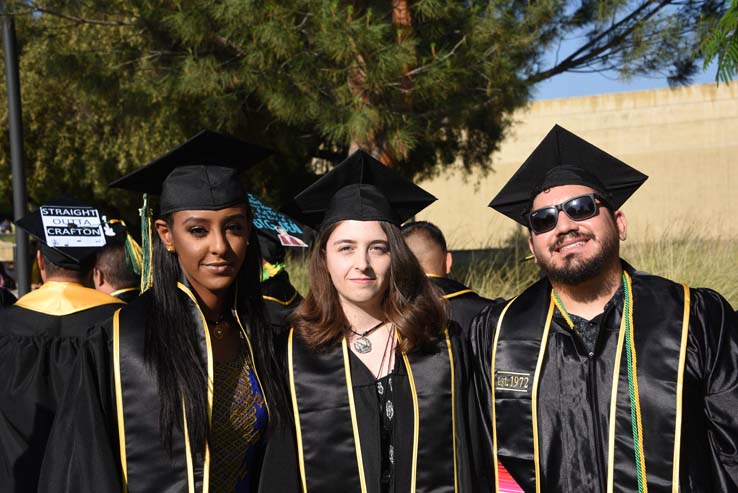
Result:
pixel 635 403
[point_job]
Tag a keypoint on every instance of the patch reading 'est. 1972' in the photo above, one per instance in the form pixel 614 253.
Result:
pixel 512 380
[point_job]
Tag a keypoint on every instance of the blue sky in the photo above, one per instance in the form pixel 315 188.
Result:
pixel 575 84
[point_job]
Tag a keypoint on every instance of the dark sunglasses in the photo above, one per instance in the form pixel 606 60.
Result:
pixel 577 208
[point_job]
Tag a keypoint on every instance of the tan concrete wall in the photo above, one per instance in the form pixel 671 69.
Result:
pixel 685 139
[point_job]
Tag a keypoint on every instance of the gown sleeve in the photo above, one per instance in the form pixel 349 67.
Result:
pixel 712 356
pixel 280 470
pixel 481 337
pixel 82 451
pixel 473 475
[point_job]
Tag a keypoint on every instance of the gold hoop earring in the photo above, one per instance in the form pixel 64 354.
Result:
pixel 170 249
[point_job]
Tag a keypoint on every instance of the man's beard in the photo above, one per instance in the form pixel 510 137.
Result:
pixel 577 270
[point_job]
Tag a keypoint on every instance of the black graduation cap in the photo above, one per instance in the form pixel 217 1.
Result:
pixel 275 231
pixel 563 158
pixel 70 232
pixel 359 188
pixel 201 174
pixel 115 230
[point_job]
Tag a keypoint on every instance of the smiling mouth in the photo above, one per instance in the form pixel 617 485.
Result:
pixel 571 246
pixel 219 268
pixel 570 241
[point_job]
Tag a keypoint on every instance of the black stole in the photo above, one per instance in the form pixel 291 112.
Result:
pixel 146 464
pixel 329 452
pixel 660 325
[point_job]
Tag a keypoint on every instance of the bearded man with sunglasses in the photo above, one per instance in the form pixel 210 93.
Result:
pixel 598 377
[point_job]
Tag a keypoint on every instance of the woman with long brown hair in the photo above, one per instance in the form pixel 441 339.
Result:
pixel 377 379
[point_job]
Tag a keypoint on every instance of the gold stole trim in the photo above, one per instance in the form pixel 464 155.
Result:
pixel 277 300
pixel 188 453
pixel 352 409
pixel 416 419
pixel 614 395
pixel 534 394
pixel 492 380
pixel 416 412
pixel 295 410
pixel 453 405
pixel 121 291
pixel 457 293
pixel 679 391
pixel 119 399
pixel 253 360
pixel 206 462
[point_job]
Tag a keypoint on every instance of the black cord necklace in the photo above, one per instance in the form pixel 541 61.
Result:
pixel 218 326
pixel 363 345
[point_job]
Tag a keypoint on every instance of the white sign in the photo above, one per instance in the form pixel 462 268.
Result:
pixel 67 226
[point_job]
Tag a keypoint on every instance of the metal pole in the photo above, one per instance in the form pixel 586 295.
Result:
pixel 10 49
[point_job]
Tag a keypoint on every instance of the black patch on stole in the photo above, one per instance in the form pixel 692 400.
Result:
pixel 513 381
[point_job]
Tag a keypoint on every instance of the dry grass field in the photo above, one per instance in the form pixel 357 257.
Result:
pixel 684 257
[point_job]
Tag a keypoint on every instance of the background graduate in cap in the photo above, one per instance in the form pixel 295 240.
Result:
pixel 378 383
pixel 117 270
pixel 40 335
pixel 192 356
pixel 280 296
pixel 428 244
pixel 605 378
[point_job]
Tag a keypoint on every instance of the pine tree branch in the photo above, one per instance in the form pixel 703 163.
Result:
pixel 228 44
pixel 437 60
pixel 586 54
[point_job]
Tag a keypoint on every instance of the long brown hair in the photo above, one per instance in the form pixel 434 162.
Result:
pixel 411 302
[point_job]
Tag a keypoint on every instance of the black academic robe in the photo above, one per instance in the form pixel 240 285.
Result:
pixel 39 340
pixel 433 428
pixel 547 385
pixel 6 298
pixel 464 302
pixel 126 295
pixel 280 299
pixel 109 419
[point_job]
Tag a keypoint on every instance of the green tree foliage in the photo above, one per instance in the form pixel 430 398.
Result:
pixel 723 45
pixel 109 84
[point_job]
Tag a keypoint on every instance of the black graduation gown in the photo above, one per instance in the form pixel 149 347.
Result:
pixel 464 302
pixel 39 340
pixel 280 299
pixel 328 433
pixel 109 419
pixel 6 298
pixel 687 374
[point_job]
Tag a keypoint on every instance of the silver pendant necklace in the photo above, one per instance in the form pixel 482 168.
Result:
pixel 362 345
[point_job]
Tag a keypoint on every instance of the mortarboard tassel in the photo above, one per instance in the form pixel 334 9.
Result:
pixel 146 253
pixel 134 254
